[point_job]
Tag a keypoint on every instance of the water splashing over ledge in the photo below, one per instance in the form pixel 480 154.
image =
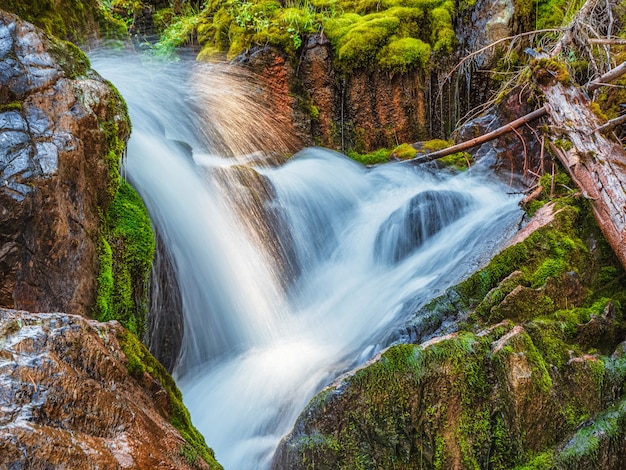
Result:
pixel 290 275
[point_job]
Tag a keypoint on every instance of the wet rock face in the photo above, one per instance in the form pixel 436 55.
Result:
pixel 165 315
pixel 363 110
pixel 514 153
pixel 68 401
pixel 53 176
pixel 484 23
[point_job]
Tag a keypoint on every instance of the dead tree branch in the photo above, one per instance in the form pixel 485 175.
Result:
pixel 611 124
pixel 482 139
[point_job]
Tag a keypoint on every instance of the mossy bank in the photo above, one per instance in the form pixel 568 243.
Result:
pixel 533 377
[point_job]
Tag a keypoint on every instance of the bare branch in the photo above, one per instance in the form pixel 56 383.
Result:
pixel 482 139
pixel 611 124
pixel 610 42
pixel 494 44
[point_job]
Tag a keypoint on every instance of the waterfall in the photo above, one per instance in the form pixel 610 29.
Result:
pixel 299 276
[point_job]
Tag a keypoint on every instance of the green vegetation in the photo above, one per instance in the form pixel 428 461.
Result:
pixel 395 35
pixel 12 106
pixel 140 361
pixel 179 31
pixel 125 257
pixel 374 158
pixel 74 20
pixel 72 60
pixel 127 244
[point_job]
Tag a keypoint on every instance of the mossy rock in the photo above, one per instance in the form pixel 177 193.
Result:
pixel 73 20
pixel 140 361
pixel 529 369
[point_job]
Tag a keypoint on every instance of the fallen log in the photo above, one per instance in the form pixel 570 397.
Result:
pixel 596 164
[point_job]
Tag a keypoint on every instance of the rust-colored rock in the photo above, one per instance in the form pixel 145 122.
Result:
pixel 67 399
pixel 363 110
pixel 54 112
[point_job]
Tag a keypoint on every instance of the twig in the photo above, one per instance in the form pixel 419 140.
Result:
pixel 611 124
pixel 606 41
pixel 493 44
pixel 611 75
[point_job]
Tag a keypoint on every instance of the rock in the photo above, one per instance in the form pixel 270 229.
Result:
pixel 512 154
pixel 58 122
pixel 409 227
pixel 253 195
pixel 165 323
pixel 485 22
pixel 364 110
pixel 463 400
pixel 67 399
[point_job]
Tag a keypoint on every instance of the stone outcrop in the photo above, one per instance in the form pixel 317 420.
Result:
pixel 363 110
pixel 71 397
pixel 61 128
pixel 538 379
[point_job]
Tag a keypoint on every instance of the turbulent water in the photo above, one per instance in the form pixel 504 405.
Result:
pixel 366 248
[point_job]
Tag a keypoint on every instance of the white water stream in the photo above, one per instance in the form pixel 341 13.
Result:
pixel 254 355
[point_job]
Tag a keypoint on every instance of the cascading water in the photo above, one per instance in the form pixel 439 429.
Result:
pixel 366 248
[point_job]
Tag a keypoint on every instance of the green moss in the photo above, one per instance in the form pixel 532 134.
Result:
pixel 104 284
pixel 404 152
pixel 461 161
pixel 402 55
pixel 12 106
pixel 124 273
pixel 74 20
pixel 607 429
pixel 374 158
pixel 127 241
pixel 543 461
pixel 435 144
pixel 393 35
pixel 546 70
pixel 72 60
pixel 140 361
pixel 563 144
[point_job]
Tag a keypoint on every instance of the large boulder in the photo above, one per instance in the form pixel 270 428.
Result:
pixel 77 393
pixel 62 130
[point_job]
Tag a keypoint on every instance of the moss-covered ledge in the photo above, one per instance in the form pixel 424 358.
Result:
pixel 140 362
pixel 74 20
pixel 532 378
